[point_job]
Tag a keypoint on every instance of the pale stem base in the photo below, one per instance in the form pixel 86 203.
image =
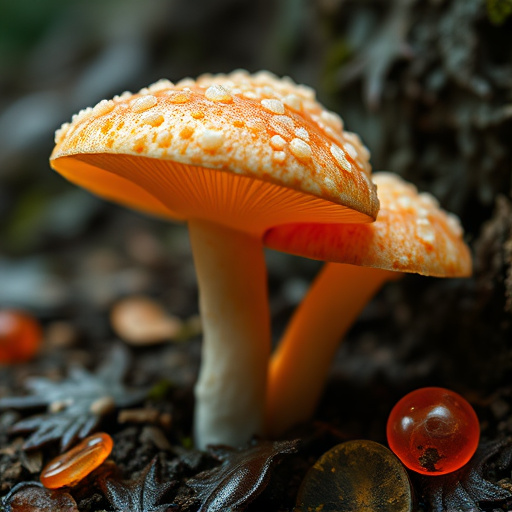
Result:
pixel 232 279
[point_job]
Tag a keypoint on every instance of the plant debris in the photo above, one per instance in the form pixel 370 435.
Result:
pixel 142 494
pixel 377 57
pixel 33 497
pixel 356 475
pixel 466 488
pixel 241 477
pixel 76 404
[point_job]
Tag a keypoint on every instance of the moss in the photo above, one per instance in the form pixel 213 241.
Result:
pixel 499 10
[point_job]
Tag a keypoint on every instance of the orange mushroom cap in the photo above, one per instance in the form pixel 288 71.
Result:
pixel 411 234
pixel 278 155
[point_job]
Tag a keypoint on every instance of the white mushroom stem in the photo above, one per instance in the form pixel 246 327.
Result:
pixel 233 301
pixel 300 365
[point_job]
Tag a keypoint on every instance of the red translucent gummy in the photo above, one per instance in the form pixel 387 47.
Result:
pixel 74 465
pixel 433 431
pixel 20 336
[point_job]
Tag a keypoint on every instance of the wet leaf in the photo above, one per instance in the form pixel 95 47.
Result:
pixel 76 404
pixel 356 475
pixel 466 488
pixel 241 477
pixel 33 497
pixel 142 494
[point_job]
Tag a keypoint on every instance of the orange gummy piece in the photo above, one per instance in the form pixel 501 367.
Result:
pixel 20 336
pixel 433 431
pixel 71 467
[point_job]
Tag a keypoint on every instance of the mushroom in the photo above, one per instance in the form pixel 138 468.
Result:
pixel 411 234
pixel 233 156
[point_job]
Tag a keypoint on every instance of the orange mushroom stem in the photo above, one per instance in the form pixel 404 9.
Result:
pixel 411 234
pixel 301 362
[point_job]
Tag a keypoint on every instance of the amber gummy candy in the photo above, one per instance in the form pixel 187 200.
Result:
pixel 20 336
pixel 74 465
pixel 433 431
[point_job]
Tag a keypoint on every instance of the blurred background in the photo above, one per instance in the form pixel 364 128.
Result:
pixel 426 83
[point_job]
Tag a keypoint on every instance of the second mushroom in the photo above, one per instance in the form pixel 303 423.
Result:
pixel 411 234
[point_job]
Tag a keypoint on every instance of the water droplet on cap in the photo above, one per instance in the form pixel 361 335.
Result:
pixel 218 93
pixel 274 106
pixel 143 103
pixel 300 149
